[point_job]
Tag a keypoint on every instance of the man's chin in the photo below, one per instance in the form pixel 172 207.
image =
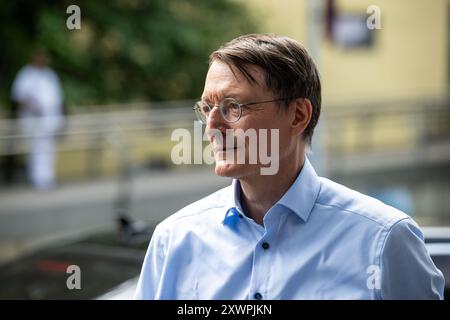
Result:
pixel 233 170
pixel 230 170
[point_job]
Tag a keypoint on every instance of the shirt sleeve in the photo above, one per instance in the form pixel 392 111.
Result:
pixel 152 268
pixel 21 86
pixel 407 271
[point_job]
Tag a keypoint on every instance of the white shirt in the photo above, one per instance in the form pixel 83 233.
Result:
pixel 39 92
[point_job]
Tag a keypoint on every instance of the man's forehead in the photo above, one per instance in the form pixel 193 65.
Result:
pixel 223 76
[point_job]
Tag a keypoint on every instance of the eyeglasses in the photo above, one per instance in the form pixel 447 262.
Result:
pixel 230 109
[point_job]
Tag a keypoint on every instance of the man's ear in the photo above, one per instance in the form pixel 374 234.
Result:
pixel 301 116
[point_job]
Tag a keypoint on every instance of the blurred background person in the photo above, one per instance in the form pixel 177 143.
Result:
pixel 37 92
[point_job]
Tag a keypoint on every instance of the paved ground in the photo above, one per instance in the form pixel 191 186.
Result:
pixel 31 219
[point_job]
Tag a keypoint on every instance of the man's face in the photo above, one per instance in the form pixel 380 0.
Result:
pixel 222 83
pixel 40 59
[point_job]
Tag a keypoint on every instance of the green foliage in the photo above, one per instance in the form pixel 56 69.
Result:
pixel 126 50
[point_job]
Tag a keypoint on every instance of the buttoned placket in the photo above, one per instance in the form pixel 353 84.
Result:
pixel 263 254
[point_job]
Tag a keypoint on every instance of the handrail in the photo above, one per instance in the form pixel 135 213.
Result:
pixel 417 115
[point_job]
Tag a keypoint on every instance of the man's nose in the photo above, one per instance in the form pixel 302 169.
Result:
pixel 215 119
pixel 215 126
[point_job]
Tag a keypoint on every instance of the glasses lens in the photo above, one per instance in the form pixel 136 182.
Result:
pixel 231 111
pixel 202 110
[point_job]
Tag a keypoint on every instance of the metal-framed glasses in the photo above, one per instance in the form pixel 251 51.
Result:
pixel 230 109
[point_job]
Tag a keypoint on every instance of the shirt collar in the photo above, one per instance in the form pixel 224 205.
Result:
pixel 300 197
pixel 234 208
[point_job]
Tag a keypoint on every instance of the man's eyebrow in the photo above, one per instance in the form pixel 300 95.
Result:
pixel 222 96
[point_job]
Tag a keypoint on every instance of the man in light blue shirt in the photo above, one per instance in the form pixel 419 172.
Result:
pixel 286 234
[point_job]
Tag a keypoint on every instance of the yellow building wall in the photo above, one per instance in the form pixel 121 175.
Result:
pixel 408 59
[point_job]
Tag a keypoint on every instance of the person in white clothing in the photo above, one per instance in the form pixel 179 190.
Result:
pixel 37 91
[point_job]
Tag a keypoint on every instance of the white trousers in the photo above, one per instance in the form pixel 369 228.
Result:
pixel 40 132
pixel 41 161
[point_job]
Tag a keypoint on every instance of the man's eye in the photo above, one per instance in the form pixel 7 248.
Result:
pixel 233 105
pixel 232 108
pixel 205 108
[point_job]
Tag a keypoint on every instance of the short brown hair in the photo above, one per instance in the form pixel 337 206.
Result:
pixel 289 70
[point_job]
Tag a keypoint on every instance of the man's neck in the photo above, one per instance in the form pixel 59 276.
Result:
pixel 260 193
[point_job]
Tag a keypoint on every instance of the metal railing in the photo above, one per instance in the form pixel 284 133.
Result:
pixel 391 130
pixel 363 136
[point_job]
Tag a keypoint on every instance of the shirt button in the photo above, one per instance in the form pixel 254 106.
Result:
pixel 265 246
pixel 258 296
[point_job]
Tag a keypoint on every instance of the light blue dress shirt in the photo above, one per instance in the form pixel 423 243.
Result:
pixel 321 240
